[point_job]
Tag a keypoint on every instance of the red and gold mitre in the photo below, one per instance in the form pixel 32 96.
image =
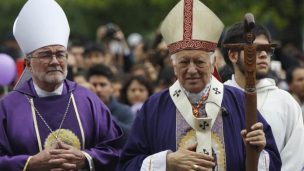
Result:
pixel 191 25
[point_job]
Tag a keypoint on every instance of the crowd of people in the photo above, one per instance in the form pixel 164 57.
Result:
pixel 136 55
pixel 134 92
pixel 149 58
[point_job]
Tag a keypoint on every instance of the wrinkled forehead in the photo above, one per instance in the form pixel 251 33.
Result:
pixel 193 54
pixel 50 48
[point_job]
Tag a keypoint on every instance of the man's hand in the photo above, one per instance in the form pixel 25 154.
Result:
pixel 188 159
pixel 39 161
pixel 67 157
pixel 256 137
pixel 42 161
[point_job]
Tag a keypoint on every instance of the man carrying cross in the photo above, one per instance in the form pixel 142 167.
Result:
pixel 277 106
pixel 196 124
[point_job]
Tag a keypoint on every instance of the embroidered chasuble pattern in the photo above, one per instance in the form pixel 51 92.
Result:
pixel 206 129
pixel 185 137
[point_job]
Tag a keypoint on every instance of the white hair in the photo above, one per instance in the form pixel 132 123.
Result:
pixel 212 57
pixel 173 59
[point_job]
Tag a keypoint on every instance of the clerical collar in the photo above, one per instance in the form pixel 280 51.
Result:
pixel 194 98
pixel 42 93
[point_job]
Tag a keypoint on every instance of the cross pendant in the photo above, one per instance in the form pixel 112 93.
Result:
pixel 195 112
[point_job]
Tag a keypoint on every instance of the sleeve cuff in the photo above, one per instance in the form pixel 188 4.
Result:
pixel 89 160
pixel 156 161
pixel 26 163
pixel 264 161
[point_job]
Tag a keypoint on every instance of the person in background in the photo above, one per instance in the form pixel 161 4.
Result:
pixel 100 76
pixel 49 122
pixel 277 106
pixel 77 50
pixel 160 58
pixel 146 70
pixel 134 39
pixel 198 123
pixel 140 52
pixel 116 47
pixel 295 81
pixel 93 55
pixel 135 92
pixel 80 79
pixel 117 86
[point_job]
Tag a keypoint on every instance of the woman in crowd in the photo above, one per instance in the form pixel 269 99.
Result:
pixel 135 92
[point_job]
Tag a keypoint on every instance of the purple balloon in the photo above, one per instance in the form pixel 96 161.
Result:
pixel 7 69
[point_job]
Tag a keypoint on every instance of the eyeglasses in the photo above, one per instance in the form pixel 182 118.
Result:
pixel 47 57
pixel 269 52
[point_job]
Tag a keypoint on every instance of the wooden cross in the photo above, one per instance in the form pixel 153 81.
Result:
pixel 250 49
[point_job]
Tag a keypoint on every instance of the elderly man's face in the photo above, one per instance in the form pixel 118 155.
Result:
pixel 193 69
pixel 48 65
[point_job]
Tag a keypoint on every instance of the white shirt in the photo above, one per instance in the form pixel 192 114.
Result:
pixel 42 93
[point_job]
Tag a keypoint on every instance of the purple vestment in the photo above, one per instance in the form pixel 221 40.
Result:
pixel 154 130
pixel 18 138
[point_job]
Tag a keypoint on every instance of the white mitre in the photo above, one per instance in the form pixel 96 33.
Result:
pixel 41 23
pixel 191 25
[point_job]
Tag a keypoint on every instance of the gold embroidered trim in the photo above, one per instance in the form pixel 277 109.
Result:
pixel 36 125
pixel 26 163
pixel 90 161
pixel 79 121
